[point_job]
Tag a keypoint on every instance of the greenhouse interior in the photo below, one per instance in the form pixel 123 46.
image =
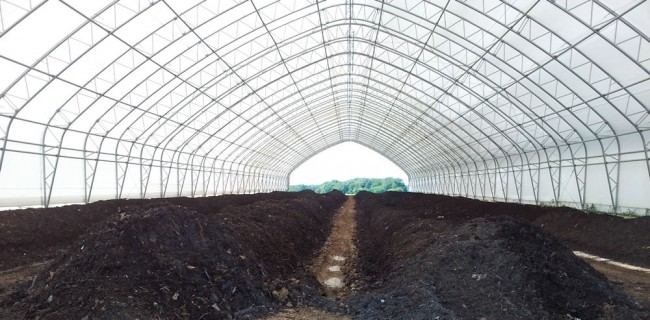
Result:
pixel 540 104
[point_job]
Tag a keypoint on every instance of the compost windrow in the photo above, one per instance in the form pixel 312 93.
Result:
pixel 33 235
pixel 425 260
pixel 163 260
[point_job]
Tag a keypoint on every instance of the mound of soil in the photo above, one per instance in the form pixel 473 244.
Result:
pixel 619 238
pixel 160 261
pixel 425 261
pixel 34 235
pixel 166 261
pixel 495 268
pixel 278 231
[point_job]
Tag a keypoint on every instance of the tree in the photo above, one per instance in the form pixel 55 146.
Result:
pixel 376 185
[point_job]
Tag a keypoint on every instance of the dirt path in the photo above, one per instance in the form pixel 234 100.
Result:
pixel 334 267
pixel 336 264
pixel 12 277
pixel 635 281
pixel 305 314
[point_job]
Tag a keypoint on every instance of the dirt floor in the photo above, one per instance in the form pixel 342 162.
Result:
pixel 270 256
pixel 306 314
pixel 336 265
pixel 633 281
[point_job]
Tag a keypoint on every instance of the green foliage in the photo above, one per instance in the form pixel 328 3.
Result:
pixel 628 213
pixel 591 208
pixel 551 203
pixel 353 186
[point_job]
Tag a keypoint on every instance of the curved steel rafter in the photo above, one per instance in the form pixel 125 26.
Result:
pixel 529 102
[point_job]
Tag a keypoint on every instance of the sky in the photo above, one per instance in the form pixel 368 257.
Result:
pixel 345 161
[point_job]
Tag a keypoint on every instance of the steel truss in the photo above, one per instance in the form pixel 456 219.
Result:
pixel 542 102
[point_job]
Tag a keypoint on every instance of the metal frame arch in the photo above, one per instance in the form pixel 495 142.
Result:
pixel 396 159
pixel 91 21
pixel 570 69
pixel 451 140
pixel 303 160
pixel 614 194
pixel 613 190
pixel 331 124
pixel 294 110
pixel 506 142
pixel 148 59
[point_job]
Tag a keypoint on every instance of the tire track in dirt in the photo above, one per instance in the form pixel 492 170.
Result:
pixel 633 280
pixel 334 268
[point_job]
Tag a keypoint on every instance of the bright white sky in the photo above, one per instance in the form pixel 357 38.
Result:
pixel 345 161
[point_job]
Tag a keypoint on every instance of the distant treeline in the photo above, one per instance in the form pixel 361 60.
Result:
pixel 353 186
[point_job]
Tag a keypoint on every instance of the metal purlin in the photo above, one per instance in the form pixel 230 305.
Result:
pixel 448 158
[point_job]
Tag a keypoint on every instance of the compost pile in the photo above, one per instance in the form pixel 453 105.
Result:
pixel 427 265
pixel 614 237
pixel 38 234
pixel 166 261
pixel 246 256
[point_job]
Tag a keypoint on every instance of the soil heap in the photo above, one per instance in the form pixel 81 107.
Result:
pixel 166 261
pixel 33 235
pixel 493 268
